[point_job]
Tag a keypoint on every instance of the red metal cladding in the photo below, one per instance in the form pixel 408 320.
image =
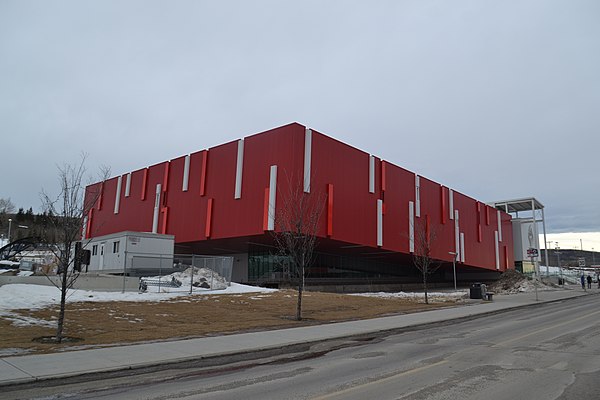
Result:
pixel 478 253
pixel 203 173
pixel 479 235
pixel 165 216
pixel 144 184
pixel 383 176
pixel 333 164
pixel 443 196
pixel 165 184
pixel 396 226
pixel 100 197
pixel 347 168
pixel 428 230
pixel 284 148
pixel 442 235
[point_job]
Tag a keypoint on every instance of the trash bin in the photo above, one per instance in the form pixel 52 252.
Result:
pixel 477 291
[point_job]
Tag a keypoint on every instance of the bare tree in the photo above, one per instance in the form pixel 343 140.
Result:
pixel 6 206
pixel 65 216
pixel 295 235
pixel 424 240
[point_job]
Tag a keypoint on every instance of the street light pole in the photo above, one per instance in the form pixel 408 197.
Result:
pixel 453 266
pixel 537 277
pixel 9 226
pixel 557 251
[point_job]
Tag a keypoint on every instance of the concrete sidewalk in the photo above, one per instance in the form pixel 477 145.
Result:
pixel 31 368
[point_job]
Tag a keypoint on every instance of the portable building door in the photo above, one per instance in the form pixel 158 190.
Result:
pixel 101 264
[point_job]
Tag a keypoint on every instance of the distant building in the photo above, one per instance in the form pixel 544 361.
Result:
pixel 222 201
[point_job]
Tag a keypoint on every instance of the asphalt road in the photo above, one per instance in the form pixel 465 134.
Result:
pixel 551 351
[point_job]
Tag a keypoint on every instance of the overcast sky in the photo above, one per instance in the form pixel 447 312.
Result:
pixel 496 99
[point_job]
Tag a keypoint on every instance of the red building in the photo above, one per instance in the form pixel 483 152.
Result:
pixel 221 201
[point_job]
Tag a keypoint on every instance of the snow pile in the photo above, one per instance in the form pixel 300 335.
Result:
pixel 512 281
pixel 529 285
pixel 418 296
pixel 203 278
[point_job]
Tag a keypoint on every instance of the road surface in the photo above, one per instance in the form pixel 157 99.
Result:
pixel 550 351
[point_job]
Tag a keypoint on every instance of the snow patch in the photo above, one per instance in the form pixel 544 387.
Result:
pixel 33 297
pixel 437 296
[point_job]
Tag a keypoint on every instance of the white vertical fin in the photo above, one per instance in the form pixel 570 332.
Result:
pixel 118 194
pixel 238 170
pixel 128 185
pixel 156 208
pixel 497 248
pixel 307 158
pixel 186 174
pixel 417 196
pixel 272 198
pixel 499 225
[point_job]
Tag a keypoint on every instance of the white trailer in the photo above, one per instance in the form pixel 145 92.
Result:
pixel 129 253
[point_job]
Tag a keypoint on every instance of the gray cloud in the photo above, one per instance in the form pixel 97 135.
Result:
pixel 495 99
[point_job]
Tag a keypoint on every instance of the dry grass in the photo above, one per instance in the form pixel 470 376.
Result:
pixel 101 324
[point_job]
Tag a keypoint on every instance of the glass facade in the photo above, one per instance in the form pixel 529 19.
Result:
pixel 264 266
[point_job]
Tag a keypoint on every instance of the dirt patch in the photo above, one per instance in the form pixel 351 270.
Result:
pixel 103 324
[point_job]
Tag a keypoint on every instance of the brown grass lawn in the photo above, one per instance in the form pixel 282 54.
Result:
pixel 109 323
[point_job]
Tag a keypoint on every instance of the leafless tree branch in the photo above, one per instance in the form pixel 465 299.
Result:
pixel 66 213
pixel 296 226
pixel 424 241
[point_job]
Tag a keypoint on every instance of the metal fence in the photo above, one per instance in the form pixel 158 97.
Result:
pixel 209 272
pixel 553 274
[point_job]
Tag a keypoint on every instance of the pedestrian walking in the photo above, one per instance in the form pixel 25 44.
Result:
pixel 583 281
pixel 589 281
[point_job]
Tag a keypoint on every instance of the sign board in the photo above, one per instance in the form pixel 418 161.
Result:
pixel 581 262
pixel 531 252
pixel 524 238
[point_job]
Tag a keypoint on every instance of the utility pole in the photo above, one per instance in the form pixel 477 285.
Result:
pixel 537 277
pixel 557 251
pixel 454 255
